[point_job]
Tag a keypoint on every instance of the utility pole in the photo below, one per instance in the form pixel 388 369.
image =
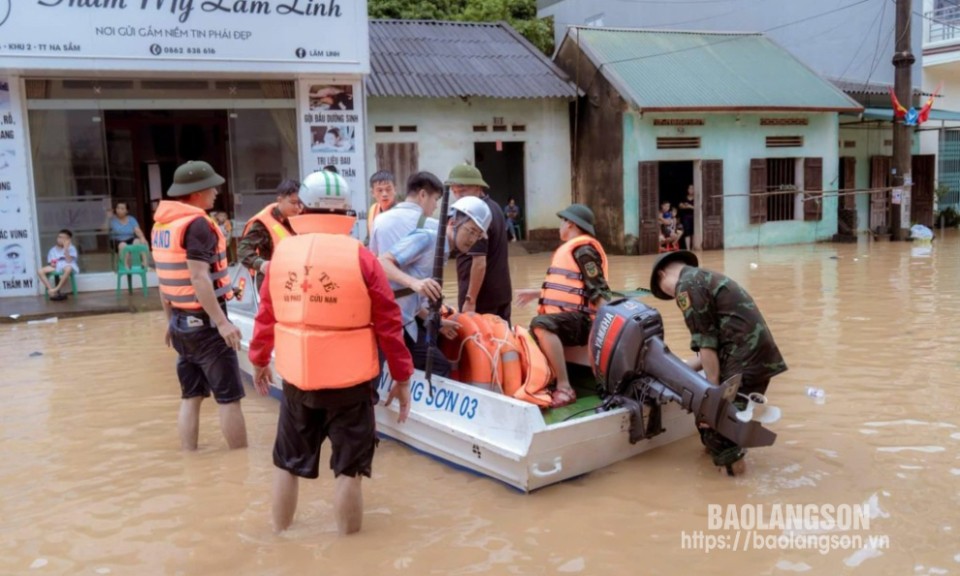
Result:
pixel 902 177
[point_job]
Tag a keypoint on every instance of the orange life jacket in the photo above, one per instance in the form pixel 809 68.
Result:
pixel 537 374
pixel 473 355
pixel 277 230
pixel 371 216
pixel 324 334
pixel 564 290
pixel 508 350
pixel 171 221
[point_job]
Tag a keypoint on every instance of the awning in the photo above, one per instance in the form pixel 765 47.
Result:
pixel 887 114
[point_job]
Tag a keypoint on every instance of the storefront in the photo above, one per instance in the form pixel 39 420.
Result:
pixel 101 100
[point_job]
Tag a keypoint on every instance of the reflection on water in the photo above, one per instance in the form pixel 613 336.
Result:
pixel 92 482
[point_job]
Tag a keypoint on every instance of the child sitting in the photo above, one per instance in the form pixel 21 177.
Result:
pixel 61 260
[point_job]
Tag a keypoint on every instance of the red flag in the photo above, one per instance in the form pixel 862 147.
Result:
pixel 925 111
pixel 898 110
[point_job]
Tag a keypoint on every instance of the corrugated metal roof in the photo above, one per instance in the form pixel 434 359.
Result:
pixel 667 70
pixel 887 114
pixel 870 88
pixel 435 59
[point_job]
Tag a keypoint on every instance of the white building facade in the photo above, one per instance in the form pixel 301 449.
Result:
pixel 100 104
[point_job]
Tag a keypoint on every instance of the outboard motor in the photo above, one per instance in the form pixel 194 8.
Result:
pixel 634 368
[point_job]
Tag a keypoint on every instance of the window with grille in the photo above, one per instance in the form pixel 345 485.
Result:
pixel 782 186
pixel 949 158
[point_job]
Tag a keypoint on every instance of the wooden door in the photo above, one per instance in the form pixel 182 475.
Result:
pixel 401 158
pixel 813 187
pixel 879 201
pixel 849 167
pixel 758 190
pixel 712 187
pixel 649 196
pixel 921 193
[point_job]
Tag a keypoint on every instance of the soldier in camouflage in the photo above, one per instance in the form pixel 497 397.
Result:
pixel 728 332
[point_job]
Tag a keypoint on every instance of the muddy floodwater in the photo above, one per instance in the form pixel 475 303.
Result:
pixel 92 480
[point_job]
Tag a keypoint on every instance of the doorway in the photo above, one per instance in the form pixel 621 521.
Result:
pixel 145 147
pixel 502 166
pixel 674 179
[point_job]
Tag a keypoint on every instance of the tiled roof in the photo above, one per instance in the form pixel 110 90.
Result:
pixel 435 59
pixel 661 70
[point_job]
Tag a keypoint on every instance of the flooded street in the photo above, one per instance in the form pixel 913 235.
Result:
pixel 92 480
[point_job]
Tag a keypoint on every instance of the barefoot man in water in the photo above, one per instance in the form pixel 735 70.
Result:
pixel 326 306
pixel 191 256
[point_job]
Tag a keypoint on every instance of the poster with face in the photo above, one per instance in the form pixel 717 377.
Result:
pixel 18 264
pixel 331 128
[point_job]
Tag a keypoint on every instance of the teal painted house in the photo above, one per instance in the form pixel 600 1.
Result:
pixel 751 129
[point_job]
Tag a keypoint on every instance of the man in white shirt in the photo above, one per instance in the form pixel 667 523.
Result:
pixel 61 260
pixel 423 194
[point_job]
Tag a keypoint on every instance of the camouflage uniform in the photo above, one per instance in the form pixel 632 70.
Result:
pixel 722 316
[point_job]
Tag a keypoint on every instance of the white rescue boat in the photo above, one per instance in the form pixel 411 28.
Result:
pixel 494 435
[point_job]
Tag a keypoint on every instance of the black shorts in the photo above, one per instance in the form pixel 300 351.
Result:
pixel 573 328
pixel 206 364
pixel 304 425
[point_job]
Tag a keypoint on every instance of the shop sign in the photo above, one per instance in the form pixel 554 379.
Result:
pixel 186 35
pixel 331 129
pixel 18 265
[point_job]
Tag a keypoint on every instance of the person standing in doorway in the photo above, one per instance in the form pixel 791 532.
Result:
pixel 512 212
pixel 483 273
pixel 191 257
pixel 686 213
pixel 270 226
pixel 326 307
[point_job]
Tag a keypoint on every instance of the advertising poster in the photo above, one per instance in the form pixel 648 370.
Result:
pixel 18 264
pixel 331 136
pixel 182 35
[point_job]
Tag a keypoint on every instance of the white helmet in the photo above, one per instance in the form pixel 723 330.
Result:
pixel 476 209
pixel 325 191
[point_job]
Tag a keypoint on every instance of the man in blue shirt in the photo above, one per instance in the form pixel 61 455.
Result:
pixel 423 195
pixel 409 264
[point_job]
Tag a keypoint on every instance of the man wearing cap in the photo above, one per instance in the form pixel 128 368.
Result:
pixel 483 273
pixel 575 283
pixel 191 257
pixel 726 329
pixel 409 264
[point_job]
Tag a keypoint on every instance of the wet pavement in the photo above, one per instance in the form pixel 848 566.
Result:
pixel 92 481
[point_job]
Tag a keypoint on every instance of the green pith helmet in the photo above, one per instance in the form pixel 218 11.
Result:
pixel 193 176
pixel 685 256
pixel 465 175
pixel 580 215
